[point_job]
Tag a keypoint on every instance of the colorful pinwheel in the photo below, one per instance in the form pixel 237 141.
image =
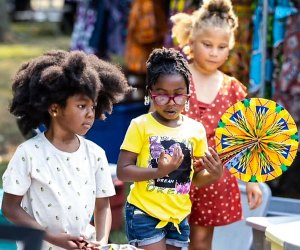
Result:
pixel 257 140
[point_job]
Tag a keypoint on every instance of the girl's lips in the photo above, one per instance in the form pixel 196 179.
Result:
pixel 171 111
pixel 87 125
pixel 212 62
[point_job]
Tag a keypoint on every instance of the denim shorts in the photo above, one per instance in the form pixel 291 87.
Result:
pixel 141 231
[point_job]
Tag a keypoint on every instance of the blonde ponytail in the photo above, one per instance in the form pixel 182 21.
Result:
pixel 182 28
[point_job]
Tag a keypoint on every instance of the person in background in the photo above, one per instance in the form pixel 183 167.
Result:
pixel 159 153
pixel 57 180
pixel 206 36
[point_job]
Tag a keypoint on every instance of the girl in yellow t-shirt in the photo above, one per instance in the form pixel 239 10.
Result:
pixel 159 153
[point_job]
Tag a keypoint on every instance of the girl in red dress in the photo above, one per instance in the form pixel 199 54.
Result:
pixel 206 37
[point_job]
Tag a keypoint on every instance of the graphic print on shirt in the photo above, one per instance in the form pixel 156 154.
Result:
pixel 178 180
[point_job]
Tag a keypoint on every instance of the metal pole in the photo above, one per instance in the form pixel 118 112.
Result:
pixel 264 47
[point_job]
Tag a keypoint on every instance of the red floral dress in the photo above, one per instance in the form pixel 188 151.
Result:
pixel 219 203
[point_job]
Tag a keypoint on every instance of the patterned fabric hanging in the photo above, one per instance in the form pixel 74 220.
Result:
pixel 177 6
pixel 100 27
pixel 287 85
pixel 84 26
pixel 277 14
pixel 147 26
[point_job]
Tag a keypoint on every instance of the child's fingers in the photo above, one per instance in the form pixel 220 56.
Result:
pixel 73 244
pixel 207 162
pixel 80 243
pixel 175 159
pixel 209 159
pixel 198 165
pixel 211 164
pixel 163 157
pixel 75 238
pixel 214 154
pixel 177 155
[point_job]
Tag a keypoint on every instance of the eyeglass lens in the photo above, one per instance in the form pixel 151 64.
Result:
pixel 164 99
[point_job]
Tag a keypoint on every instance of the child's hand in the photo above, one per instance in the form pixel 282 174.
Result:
pixel 167 163
pixel 86 245
pixel 212 163
pixel 197 165
pixel 254 195
pixel 64 240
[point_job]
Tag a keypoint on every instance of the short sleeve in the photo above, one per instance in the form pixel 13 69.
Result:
pixel 16 179
pixel 104 183
pixel 201 143
pixel 133 134
pixel 239 89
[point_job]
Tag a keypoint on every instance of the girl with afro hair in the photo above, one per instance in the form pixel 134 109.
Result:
pixel 57 180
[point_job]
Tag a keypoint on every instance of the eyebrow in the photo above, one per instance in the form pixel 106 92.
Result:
pixel 84 98
pixel 168 89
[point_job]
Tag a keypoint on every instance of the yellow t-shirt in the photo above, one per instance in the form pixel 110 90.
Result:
pixel 165 198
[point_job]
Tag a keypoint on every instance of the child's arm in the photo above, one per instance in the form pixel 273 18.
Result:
pixel 254 195
pixel 128 171
pixel 102 220
pixel 12 210
pixel 213 169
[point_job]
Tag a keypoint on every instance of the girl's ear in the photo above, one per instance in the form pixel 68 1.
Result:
pixel 146 97
pixel 147 90
pixel 188 49
pixel 53 109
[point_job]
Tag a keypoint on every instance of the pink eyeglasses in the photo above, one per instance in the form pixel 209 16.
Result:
pixel 162 99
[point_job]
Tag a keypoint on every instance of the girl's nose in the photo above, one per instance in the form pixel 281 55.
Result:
pixel 91 112
pixel 213 52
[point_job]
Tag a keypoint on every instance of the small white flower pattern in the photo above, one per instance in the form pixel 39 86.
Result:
pixel 219 203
